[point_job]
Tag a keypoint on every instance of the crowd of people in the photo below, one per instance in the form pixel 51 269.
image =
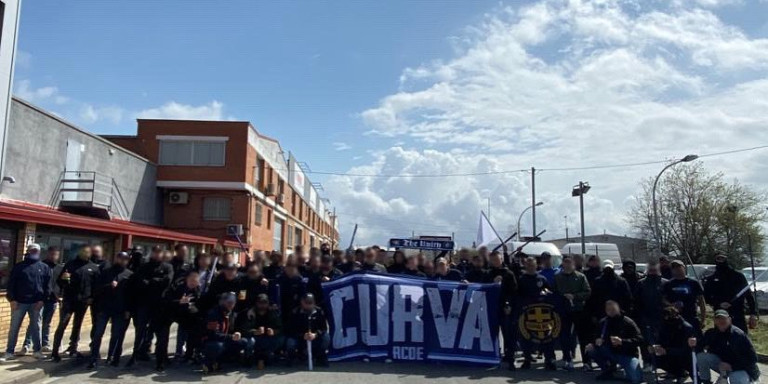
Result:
pixel 270 308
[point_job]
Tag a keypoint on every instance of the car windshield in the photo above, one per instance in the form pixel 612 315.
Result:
pixel 761 274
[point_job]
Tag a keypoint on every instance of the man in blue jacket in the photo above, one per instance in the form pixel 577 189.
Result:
pixel 27 288
pixel 726 349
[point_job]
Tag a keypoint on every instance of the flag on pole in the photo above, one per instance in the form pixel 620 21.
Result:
pixel 485 232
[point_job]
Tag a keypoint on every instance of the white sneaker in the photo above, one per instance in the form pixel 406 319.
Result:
pixel 387 361
pixel 366 360
pixel 7 357
pixel 38 355
pixel 46 349
pixel 24 351
pixel 647 369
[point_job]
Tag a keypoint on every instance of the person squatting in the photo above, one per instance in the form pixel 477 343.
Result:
pixel 269 310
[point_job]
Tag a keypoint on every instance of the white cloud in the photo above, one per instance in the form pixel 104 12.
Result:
pixel 341 146
pixel 560 84
pixel 174 110
pixel 25 91
pixel 90 114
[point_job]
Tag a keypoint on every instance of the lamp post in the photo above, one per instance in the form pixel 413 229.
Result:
pixel 539 204
pixel 656 231
pixel 581 190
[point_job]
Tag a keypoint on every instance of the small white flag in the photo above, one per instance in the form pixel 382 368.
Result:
pixel 485 231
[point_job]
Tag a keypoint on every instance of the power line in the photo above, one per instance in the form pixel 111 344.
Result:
pixel 565 169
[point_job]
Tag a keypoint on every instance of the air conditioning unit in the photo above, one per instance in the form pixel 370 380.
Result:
pixel 271 189
pixel 280 199
pixel 234 230
pixel 179 198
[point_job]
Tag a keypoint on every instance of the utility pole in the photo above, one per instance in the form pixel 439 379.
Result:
pixel 579 191
pixel 489 208
pixel 533 200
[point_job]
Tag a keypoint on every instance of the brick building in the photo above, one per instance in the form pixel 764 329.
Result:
pixel 223 178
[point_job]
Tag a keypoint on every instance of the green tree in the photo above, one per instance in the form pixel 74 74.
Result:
pixel 701 214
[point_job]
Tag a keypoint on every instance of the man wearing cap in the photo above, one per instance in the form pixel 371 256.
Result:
pixel 76 281
pixel 28 287
pixel 685 294
pixel 308 323
pixel 610 286
pixel 179 306
pixel 53 255
pixel 671 350
pixel 262 326
pixel 221 339
pixel 725 290
pixel 110 292
pixel 726 349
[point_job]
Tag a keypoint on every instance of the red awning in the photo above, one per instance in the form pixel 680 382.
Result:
pixel 18 211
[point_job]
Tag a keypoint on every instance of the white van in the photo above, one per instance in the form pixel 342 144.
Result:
pixel 606 251
pixel 537 248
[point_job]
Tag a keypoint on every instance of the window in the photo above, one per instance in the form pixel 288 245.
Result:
pixel 7 255
pixel 216 208
pixel 195 153
pixel 258 172
pixel 297 236
pixel 277 235
pixel 257 213
pixel 289 237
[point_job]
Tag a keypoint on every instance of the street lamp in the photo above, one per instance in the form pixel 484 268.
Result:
pixel 656 231
pixel 581 190
pixel 539 204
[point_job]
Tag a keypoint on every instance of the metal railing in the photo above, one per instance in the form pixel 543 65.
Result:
pixel 89 189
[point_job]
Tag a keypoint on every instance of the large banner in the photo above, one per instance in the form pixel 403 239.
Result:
pixel 402 318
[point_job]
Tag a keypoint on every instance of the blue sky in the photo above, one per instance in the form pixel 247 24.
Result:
pixel 428 87
pixel 301 71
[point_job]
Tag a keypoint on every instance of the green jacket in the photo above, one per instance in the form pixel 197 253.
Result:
pixel 576 284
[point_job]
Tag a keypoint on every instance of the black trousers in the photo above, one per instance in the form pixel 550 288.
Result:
pixel 585 326
pixel 161 326
pixel 68 310
pixel 676 366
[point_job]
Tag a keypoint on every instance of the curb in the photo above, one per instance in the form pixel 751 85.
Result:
pixel 51 369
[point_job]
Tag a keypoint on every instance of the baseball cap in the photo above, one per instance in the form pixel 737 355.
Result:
pixel 123 255
pixel 608 264
pixel 228 297
pixel 721 313
pixel 33 247
pixel 677 263
pixel 262 298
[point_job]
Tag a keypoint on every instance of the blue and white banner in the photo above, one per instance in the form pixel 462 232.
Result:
pixel 401 318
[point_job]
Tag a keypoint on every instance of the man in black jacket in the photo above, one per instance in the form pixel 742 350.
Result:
pixel 610 286
pixel 532 285
pixel 221 340
pixel 728 350
pixel 617 344
pixel 179 305
pixel 250 287
pixel 263 327
pixel 499 274
pixel 76 281
pixel 110 292
pixel 671 350
pixel 725 290
pixel 443 271
pixel 649 303
pixel 308 324
pixel 28 287
pixel 326 273
pixel 148 283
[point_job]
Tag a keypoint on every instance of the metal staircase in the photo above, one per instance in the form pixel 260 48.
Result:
pixel 89 191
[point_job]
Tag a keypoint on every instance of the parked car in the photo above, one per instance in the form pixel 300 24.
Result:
pixel 761 275
pixel 699 271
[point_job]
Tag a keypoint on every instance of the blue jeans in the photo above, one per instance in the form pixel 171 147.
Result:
pixel 17 316
pixel 606 359
pixel 116 334
pixel 49 309
pixel 707 362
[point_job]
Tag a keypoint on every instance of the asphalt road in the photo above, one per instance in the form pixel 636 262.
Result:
pixel 338 373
